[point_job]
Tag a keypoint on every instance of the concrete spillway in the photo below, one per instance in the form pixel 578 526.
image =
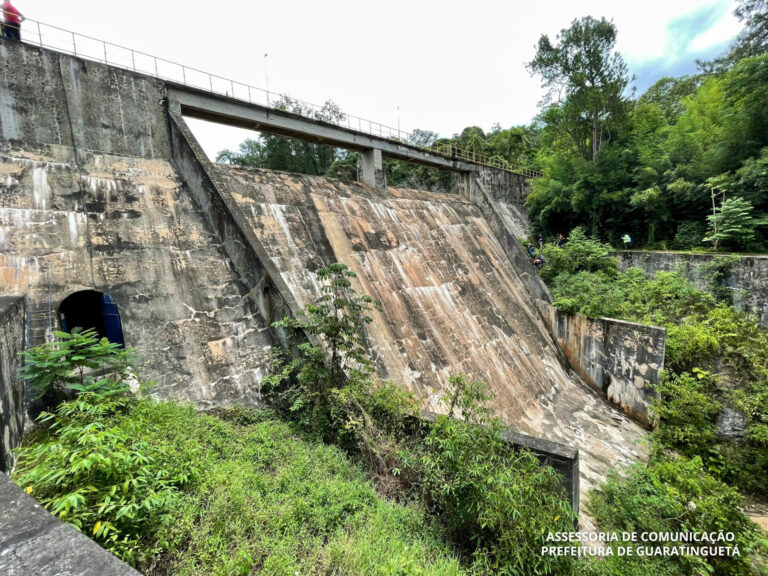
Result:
pixel 451 300
pixel 102 188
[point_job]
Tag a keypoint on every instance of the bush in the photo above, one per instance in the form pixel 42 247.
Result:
pixel 496 503
pixel 674 494
pixel 325 385
pixel 79 361
pixel 91 468
pixel 580 253
pixel 690 234
pixel 687 411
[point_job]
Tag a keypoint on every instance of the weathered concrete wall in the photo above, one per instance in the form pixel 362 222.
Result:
pixel 265 285
pixel 32 541
pixel 452 299
pixel 187 249
pixel 621 360
pixel 504 186
pixel 13 313
pixel 509 221
pixel 49 98
pixel 112 214
pixel 746 278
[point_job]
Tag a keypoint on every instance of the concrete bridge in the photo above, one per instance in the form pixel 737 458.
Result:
pixel 206 105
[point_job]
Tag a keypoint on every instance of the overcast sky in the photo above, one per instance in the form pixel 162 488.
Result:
pixel 445 64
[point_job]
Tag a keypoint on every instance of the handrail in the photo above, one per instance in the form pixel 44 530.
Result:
pixel 82 46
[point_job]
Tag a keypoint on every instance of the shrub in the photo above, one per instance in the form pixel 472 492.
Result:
pixel 579 253
pixel 79 361
pixel 673 494
pixel 323 386
pixel 88 468
pixel 687 410
pixel 689 235
pixel 497 503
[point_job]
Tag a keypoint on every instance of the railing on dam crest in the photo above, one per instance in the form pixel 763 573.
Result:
pixel 68 42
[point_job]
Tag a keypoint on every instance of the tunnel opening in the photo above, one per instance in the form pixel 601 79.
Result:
pixel 89 309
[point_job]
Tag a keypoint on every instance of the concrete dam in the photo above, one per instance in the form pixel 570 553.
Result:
pixel 105 190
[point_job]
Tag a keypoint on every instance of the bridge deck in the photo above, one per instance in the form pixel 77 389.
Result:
pixel 205 105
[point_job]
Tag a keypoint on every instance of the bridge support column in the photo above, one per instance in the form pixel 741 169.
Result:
pixel 373 171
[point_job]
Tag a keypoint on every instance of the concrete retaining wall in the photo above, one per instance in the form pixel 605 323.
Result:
pixel 13 313
pixel 503 185
pixel 746 278
pixel 621 360
pixel 34 542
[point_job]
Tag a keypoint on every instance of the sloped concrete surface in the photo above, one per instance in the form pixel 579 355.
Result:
pixel 33 542
pixel 451 301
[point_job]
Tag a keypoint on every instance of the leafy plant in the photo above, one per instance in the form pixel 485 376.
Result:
pixel 335 369
pixel 496 503
pixel 79 361
pixel 732 221
pixel 673 494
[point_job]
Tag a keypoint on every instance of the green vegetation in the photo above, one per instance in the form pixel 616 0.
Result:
pixel 497 502
pixel 672 494
pixel 175 491
pixel 682 166
pixel 716 357
pixel 688 152
pixel 496 506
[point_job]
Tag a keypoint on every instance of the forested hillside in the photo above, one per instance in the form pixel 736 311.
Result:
pixel 681 166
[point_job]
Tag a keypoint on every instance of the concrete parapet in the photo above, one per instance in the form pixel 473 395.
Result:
pixel 32 541
pixel 13 313
pixel 621 360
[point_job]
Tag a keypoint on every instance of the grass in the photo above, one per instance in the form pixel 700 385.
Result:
pixel 266 499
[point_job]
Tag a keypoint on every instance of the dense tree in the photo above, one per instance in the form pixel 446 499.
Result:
pixel 753 41
pixel 585 77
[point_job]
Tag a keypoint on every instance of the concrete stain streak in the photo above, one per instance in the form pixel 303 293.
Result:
pixel 451 301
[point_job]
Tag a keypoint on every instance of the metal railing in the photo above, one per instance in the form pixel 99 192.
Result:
pixel 68 42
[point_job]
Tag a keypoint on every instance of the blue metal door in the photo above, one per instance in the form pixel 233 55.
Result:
pixel 113 330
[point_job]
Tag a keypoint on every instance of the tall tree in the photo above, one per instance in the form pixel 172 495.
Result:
pixel 585 75
pixel 753 40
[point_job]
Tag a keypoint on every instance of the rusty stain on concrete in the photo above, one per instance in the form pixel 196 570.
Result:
pixel 451 301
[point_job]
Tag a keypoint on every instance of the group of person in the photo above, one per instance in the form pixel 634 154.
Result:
pixel 12 20
pixel 538 259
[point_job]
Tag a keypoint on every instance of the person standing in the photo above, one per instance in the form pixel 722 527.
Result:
pixel 626 239
pixel 12 20
pixel 541 241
